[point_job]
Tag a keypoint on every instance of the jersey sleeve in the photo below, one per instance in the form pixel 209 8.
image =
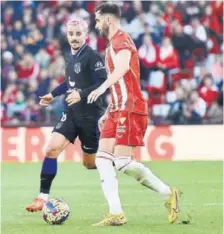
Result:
pixel 98 74
pixel 59 90
pixel 97 66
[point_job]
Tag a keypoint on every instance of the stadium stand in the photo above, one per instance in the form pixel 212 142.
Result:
pixel 180 47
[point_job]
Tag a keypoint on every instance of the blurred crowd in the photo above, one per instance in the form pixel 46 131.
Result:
pixel 180 46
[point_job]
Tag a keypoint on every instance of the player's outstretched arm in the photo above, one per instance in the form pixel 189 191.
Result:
pixel 48 98
pixel 121 67
pixel 60 89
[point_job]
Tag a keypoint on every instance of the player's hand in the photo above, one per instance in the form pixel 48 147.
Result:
pixel 93 96
pixel 73 97
pixel 101 121
pixel 46 100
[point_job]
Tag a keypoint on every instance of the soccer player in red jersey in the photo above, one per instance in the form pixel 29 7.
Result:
pixel 124 124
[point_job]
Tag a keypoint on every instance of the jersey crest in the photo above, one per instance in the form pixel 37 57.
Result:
pixel 77 68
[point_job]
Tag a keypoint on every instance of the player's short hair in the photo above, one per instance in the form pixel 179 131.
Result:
pixel 78 22
pixel 108 8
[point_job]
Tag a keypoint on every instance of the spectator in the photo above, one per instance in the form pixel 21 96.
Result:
pixel 168 57
pixel 32 110
pixel 217 70
pixel 198 33
pixel 31 90
pixel 15 110
pixel 208 91
pixel 18 32
pixel 10 93
pixel 27 68
pixel 213 30
pixel 52 30
pixel 217 9
pixel 195 109
pixel 148 55
pixel 148 52
pixel 12 77
pixel 35 41
pixel 215 112
pixel 171 14
pixel 183 44
pixel 212 20
pixel 56 68
pixel 140 40
pixel 176 109
pixel 19 51
pixel 7 64
pixel 4 44
pixel 28 17
pixel 43 58
pixel 44 83
pixel 7 16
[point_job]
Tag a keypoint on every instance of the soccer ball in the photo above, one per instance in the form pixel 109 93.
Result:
pixel 55 211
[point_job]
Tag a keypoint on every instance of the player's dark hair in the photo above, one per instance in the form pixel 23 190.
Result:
pixel 108 8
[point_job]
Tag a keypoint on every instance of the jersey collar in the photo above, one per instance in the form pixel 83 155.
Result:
pixel 79 51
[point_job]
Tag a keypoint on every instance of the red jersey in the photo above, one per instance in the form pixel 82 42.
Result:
pixel 126 93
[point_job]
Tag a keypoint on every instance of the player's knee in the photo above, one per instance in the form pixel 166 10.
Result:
pixel 52 152
pixel 121 163
pixel 89 161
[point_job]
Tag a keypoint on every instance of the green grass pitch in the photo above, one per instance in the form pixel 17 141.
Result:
pixel 201 183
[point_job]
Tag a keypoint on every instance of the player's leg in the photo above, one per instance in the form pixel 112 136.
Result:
pixel 55 146
pixel 63 134
pixel 88 133
pixel 133 132
pixel 125 163
pixel 109 183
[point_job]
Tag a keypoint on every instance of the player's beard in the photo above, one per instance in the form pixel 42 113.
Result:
pixel 105 30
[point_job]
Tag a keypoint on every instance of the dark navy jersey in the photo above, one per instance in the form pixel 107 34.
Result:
pixel 85 71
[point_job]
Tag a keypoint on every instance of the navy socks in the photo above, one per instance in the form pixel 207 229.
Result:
pixel 48 172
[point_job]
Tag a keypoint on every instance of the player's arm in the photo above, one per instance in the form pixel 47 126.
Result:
pixel 59 90
pixel 48 98
pixel 104 117
pixel 122 65
pixel 98 75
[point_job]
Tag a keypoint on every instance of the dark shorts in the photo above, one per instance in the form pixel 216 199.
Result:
pixel 86 128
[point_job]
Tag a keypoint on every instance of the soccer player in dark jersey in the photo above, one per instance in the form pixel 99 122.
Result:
pixel 85 72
